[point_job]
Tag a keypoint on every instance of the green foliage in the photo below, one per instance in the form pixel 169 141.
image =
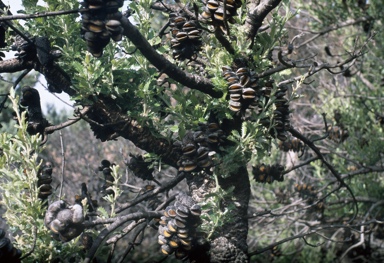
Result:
pixel 117 191
pixel 125 78
pixel 218 211
pixel 19 165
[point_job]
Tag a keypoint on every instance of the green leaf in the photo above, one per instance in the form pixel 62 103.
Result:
pixel 103 212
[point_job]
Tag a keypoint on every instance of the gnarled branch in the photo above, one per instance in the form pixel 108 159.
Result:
pixel 256 16
pixel 165 66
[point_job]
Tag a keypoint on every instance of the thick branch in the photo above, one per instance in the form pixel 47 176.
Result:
pixel 229 241
pixel 53 74
pixel 165 66
pixel 226 44
pixel 13 65
pixel 108 122
pixel 256 16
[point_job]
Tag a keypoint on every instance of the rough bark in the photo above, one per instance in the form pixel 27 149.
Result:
pixel 258 10
pixel 229 243
pixel 165 66
pixel 108 122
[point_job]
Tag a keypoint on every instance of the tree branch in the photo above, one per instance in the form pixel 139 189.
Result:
pixel 164 187
pixel 116 222
pixel 53 74
pixel 165 66
pixel 337 26
pixel 256 16
pixel 224 41
pixel 14 65
pixel 43 14
pixel 329 166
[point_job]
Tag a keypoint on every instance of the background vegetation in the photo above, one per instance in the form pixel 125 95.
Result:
pixel 325 204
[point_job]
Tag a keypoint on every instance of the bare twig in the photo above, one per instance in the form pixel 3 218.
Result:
pixel 309 232
pixel 62 164
pixel 19 78
pixel 347 23
pixel 164 187
pixel 125 231
pixel 67 123
pixel 362 234
pixel 310 144
pixel 116 223
pixel 42 14
pixel 301 164
pixel 140 232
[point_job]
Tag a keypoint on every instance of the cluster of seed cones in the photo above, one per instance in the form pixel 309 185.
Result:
pixel 44 181
pixel 242 85
pixel 8 253
pixel 281 114
pixel 30 98
pixel 292 144
pixel 219 14
pixel 26 50
pixel 177 228
pixel 268 173
pixel 64 222
pixel 186 38
pixel 140 168
pixel 101 23
pixel 197 145
pixel 305 190
pixel 308 192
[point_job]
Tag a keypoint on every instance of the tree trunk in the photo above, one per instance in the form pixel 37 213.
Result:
pixel 229 243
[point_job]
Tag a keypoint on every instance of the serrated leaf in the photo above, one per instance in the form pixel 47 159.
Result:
pixel 102 211
pixel 243 130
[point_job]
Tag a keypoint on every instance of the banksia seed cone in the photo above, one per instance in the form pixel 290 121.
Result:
pixel 101 23
pixel 92 204
pixel 214 12
pixel 86 240
pixel 8 253
pixel 305 190
pixel 140 168
pixel 268 173
pixel 30 99
pixel 177 229
pixel 337 134
pixel 186 38
pixel 242 88
pixel 44 181
pixel 196 146
pixel 26 50
pixel 275 253
pixel 281 114
pixel 65 222
pixel 293 144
